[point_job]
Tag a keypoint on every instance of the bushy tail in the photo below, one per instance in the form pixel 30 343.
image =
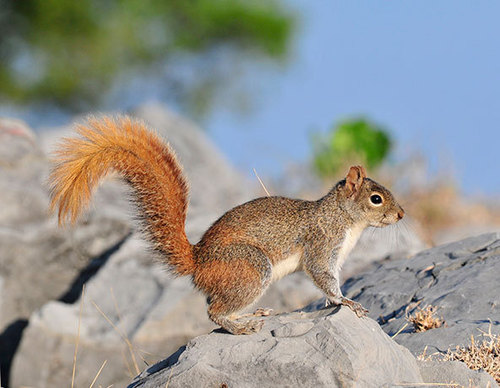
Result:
pixel 147 164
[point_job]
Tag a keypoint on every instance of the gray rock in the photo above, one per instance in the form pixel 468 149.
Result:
pixel 41 263
pixel 331 347
pixel 38 261
pixel 454 372
pixel 130 298
pixel 23 167
pixel 153 311
pixel 460 278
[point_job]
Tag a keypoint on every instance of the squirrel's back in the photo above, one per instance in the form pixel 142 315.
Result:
pixel 147 164
pixel 273 224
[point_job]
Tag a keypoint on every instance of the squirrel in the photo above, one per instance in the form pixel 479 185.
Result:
pixel 247 248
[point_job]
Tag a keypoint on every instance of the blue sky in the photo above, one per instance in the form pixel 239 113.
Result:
pixel 429 71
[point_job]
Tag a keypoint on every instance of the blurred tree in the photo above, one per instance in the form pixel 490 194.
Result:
pixel 71 52
pixel 350 141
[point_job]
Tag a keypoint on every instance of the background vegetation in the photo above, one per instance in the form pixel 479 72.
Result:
pixel 70 52
pixel 353 141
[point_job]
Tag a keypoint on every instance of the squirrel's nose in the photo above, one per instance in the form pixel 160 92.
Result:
pixel 401 213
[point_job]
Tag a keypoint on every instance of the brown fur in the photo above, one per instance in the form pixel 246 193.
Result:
pixel 147 164
pixel 233 263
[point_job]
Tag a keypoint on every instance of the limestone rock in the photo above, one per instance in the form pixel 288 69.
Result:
pixel 330 347
pixel 38 261
pixel 129 299
pixel 23 167
pixel 460 278
pixel 454 372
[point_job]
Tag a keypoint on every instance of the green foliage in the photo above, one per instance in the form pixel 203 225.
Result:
pixel 71 51
pixel 350 141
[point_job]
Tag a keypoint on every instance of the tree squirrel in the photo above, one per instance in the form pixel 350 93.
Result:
pixel 247 248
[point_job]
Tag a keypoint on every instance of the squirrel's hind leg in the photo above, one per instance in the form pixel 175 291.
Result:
pixel 230 324
pixel 233 281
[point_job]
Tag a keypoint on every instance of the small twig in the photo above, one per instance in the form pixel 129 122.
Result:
pixel 98 373
pixel 77 337
pixel 129 343
pixel 122 335
pixel 127 363
pixel 400 330
pixel 169 377
pixel 261 183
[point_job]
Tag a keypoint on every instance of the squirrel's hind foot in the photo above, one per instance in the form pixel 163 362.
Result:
pixel 238 328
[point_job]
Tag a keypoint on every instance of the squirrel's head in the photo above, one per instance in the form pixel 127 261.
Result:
pixel 368 201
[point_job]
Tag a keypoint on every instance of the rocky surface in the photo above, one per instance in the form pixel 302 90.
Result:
pixel 39 262
pixel 460 278
pixel 331 347
pixel 323 348
pixel 454 374
pixel 22 165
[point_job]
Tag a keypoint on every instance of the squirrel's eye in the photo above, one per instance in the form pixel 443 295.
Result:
pixel 376 199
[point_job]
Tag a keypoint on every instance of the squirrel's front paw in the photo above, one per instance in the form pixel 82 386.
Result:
pixel 354 306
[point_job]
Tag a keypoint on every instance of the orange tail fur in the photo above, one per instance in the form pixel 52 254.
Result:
pixel 147 164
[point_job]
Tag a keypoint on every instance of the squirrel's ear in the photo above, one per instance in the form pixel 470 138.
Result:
pixel 354 179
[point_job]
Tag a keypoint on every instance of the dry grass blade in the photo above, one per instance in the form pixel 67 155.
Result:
pixel 77 338
pixel 424 319
pixel 428 357
pixel 480 355
pixel 261 183
pixel 424 356
pixel 169 377
pixel 128 342
pixel 121 334
pixel 400 330
pixel 98 373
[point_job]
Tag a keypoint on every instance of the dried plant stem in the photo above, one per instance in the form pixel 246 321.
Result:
pixel 400 330
pixel 77 337
pixel 261 183
pixel 121 334
pixel 424 319
pixel 98 373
